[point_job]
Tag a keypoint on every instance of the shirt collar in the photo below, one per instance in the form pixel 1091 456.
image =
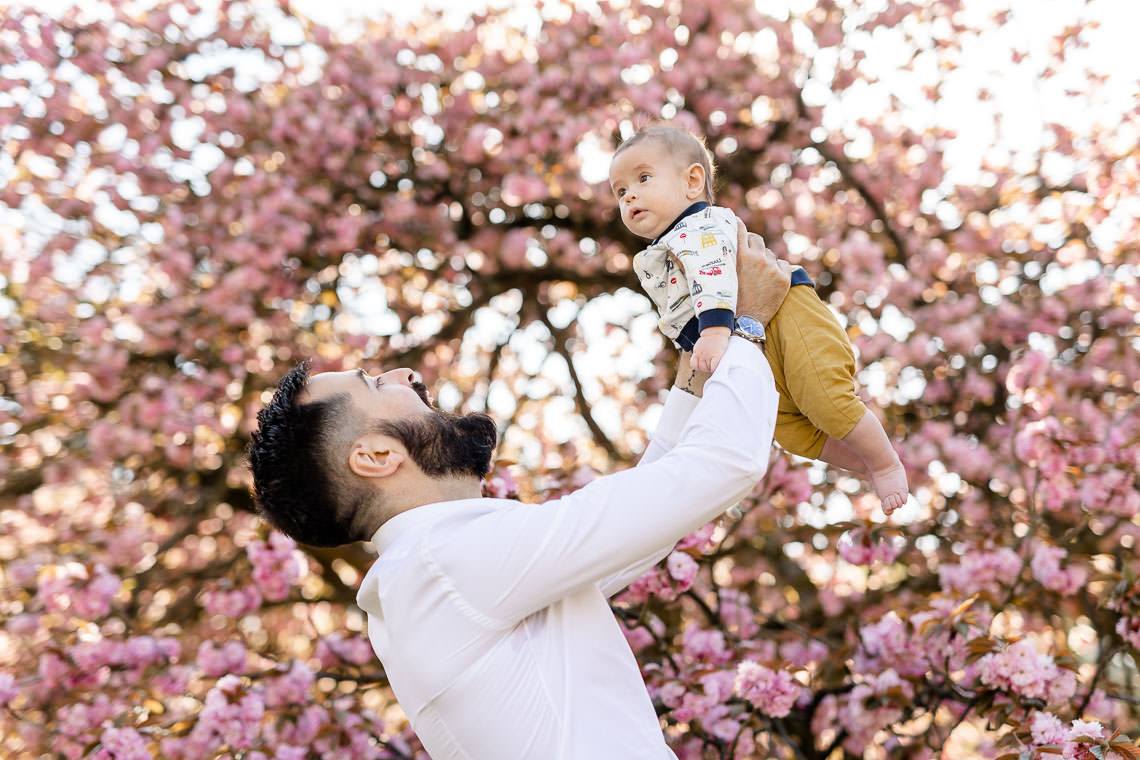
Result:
pixel 408 521
pixel 692 209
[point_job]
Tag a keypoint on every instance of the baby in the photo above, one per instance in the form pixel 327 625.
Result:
pixel 662 178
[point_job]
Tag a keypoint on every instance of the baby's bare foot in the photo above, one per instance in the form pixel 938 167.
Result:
pixel 890 486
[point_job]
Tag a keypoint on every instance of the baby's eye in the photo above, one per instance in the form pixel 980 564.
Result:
pixel 644 177
pixel 619 193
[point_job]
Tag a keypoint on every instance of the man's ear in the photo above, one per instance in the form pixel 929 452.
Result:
pixel 694 181
pixel 375 456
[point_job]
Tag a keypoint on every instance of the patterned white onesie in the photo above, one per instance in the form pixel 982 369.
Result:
pixel 703 240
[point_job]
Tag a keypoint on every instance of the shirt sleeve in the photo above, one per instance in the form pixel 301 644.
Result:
pixel 675 413
pixel 679 405
pixel 511 563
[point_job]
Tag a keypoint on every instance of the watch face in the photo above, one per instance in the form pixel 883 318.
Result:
pixel 750 325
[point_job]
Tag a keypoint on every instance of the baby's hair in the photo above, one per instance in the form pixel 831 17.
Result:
pixel 685 146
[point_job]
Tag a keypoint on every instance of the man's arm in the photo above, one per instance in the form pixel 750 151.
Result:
pixel 513 562
pixel 679 404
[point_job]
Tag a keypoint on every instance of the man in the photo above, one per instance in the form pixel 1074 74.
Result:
pixel 489 615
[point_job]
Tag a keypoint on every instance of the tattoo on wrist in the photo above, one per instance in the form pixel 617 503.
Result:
pixel 687 383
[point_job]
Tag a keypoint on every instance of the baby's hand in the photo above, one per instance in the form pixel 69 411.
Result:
pixel 709 348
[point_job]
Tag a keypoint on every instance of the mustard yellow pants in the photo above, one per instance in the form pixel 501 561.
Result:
pixel 814 367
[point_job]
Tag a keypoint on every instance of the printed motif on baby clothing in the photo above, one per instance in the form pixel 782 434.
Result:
pixel 709 268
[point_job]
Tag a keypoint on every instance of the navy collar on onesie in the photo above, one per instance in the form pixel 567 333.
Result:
pixel 692 209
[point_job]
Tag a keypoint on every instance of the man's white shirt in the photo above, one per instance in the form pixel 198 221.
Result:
pixel 491 618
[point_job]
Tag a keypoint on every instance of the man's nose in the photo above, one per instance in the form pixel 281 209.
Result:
pixel 403 376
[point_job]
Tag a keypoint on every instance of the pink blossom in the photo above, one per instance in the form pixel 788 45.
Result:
pixel 655 582
pixel 1090 728
pixel 231 716
pixel 1022 670
pixel 1046 566
pixel 1129 629
pixel 705 644
pixel 1047 728
pixel 696 706
pixel 724 729
pixel 338 649
pixel 292 688
pixel 700 540
pixel 520 189
pixel 800 654
pixel 638 637
pixel 1036 445
pixel 275 565
pixel 737 612
pixel 218 660
pixel 773 692
pixel 122 744
pixel 683 568
pixel 868 708
pixel 233 603
pixel 7 689
pixel 306 726
pixel 173 681
pixel 859 547
pixel 981 569
pixel 501 484
pixel 719 684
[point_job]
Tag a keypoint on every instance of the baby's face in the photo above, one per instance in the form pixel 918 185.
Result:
pixel 650 188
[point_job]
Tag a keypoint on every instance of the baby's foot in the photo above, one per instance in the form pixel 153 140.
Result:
pixel 890 486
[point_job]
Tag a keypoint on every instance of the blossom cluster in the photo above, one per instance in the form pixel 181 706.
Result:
pixel 276 565
pixel 1020 669
pixel 772 692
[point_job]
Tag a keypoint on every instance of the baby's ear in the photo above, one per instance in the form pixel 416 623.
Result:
pixel 695 181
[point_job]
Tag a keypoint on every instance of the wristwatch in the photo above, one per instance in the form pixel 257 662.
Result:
pixel 750 329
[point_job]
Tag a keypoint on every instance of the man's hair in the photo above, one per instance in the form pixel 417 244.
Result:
pixel 301 479
pixel 684 146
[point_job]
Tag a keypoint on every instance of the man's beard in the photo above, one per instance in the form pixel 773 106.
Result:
pixel 445 444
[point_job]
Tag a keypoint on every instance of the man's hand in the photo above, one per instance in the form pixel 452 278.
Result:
pixel 763 279
pixel 709 348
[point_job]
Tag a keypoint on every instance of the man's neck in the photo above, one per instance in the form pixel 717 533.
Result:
pixel 431 491
pixel 452 489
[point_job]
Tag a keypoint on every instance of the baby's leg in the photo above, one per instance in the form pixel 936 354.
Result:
pixel 818 366
pixel 838 454
pixel 869 442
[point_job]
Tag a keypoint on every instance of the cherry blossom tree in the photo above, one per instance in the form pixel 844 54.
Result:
pixel 195 197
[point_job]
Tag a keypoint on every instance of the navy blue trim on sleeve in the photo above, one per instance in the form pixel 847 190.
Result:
pixel 800 277
pixel 716 318
pixel 689 334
